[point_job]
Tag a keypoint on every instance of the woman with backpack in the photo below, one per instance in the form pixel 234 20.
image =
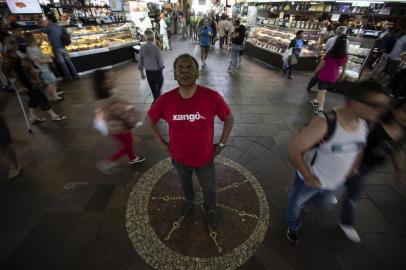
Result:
pixel 328 71
pixel 115 117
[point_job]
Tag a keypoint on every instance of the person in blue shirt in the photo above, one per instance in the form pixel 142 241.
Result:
pixel 205 35
pixel 55 32
pixel 296 44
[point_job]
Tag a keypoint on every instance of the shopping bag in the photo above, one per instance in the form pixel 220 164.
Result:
pixel 292 60
pixel 197 51
pixel 286 54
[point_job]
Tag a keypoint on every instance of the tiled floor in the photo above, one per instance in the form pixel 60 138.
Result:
pixel 62 213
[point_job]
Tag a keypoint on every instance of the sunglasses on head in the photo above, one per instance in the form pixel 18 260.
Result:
pixel 377 105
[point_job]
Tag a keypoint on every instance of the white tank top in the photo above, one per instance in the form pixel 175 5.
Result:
pixel 334 159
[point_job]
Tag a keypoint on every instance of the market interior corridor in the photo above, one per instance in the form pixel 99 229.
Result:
pixel 62 213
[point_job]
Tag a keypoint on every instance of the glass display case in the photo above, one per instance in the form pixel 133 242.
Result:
pixel 97 46
pixel 96 38
pixel 277 39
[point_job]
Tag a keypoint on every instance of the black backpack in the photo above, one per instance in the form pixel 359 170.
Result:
pixel 65 38
pixel 331 118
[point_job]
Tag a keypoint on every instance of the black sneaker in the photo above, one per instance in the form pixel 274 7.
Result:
pixel 211 218
pixel 290 78
pixel 139 159
pixel 293 237
pixel 187 208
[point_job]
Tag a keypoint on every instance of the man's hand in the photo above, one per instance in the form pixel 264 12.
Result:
pixel 164 146
pixel 217 149
pixel 312 182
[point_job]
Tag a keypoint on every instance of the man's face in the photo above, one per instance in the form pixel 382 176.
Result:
pixel 185 72
pixel 371 108
pixel 206 22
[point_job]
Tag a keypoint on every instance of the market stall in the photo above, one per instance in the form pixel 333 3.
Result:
pixel 101 35
pixel 272 25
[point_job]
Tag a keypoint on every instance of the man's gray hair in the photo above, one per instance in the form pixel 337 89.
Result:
pixel 341 30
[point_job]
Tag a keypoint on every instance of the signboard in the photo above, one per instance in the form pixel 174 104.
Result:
pixel 24 6
pixel 335 17
pixel 116 5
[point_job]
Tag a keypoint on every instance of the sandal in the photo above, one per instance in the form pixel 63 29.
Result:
pixel 36 119
pixel 58 118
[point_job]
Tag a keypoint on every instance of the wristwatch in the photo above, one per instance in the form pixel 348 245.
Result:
pixel 222 145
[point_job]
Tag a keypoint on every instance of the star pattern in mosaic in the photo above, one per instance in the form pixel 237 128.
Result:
pixel 166 239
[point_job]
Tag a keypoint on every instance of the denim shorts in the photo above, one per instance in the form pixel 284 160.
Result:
pixel 323 85
pixel 48 77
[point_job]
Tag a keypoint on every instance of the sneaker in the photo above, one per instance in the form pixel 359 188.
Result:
pixel 290 78
pixel 139 159
pixel 187 208
pixel 211 218
pixel 14 172
pixel 236 69
pixel 284 71
pixel 318 111
pixel 292 236
pixel 350 232
pixel 229 70
pixel 314 103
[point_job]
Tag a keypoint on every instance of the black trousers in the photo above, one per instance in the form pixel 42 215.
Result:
pixel 155 80
pixel 398 84
pixel 37 98
pixel 207 180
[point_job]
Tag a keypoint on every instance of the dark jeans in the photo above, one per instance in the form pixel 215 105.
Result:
pixel 155 81
pixel 207 181
pixel 222 41
pixel 65 63
pixel 38 98
pixel 354 186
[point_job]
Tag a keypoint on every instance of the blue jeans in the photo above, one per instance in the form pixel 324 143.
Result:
pixel 235 56
pixel 354 186
pixel 65 63
pixel 300 194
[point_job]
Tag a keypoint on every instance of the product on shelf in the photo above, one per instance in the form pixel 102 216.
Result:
pixel 94 37
pixel 277 39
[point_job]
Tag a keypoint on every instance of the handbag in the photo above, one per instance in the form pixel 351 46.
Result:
pixel 292 60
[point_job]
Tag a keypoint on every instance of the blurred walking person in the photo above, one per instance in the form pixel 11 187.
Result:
pixel 385 141
pixel 326 149
pixel 42 62
pixel 114 117
pixel 21 70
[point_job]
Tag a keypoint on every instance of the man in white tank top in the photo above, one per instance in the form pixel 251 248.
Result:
pixel 325 150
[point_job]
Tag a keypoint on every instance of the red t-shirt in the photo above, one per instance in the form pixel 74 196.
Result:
pixel 191 123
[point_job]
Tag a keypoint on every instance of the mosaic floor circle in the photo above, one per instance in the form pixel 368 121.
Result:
pixel 167 240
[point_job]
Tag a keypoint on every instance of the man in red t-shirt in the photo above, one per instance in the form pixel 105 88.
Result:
pixel 189 111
